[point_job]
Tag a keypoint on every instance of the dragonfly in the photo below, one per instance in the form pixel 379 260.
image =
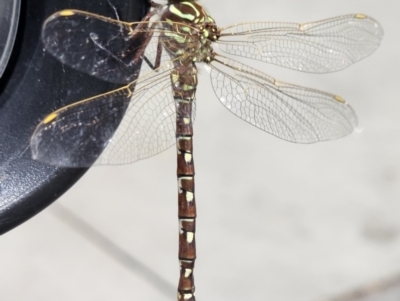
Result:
pixel 155 61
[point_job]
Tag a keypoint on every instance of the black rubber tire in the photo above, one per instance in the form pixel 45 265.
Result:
pixel 33 85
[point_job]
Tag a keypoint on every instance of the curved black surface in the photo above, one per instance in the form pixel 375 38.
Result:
pixel 34 84
pixel 9 16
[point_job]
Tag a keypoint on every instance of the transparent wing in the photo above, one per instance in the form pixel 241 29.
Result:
pixel 316 47
pixel 148 126
pixel 102 47
pixel 93 44
pixel 121 126
pixel 290 112
pixel 76 135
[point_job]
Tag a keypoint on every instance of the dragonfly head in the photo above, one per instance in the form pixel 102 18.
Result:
pixel 188 28
pixel 209 31
pixel 192 14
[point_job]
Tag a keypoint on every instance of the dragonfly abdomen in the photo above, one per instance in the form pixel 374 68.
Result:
pixel 184 83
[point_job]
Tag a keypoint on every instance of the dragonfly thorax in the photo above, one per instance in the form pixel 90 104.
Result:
pixel 190 30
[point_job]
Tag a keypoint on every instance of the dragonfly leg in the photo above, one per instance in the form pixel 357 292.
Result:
pixel 144 21
pixel 141 50
pixel 158 58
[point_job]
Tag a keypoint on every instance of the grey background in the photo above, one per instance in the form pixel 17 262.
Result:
pixel 276 221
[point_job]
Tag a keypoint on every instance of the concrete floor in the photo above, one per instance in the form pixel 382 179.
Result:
pixel 276 221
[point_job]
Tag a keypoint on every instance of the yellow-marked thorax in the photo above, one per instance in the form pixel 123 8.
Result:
pixel 189 30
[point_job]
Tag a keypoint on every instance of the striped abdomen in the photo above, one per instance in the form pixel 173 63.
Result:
pixel 184 82
pixel 188 34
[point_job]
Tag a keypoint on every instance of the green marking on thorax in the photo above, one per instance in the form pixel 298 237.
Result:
pixel 192 6
pixel 179 38
pixel 185 28
pixel 177 12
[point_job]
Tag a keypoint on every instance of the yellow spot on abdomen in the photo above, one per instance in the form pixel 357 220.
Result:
pixel 188 157
pixel 188 272
pixel 185 296
pixel 66 13
pixel 187 87
pixel 50 118
pixel 189 237
pixel 189 196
